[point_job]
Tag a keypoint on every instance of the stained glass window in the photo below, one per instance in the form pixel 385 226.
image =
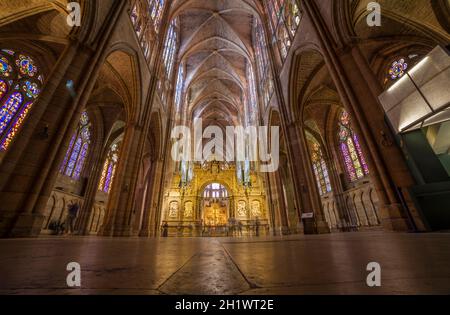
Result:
pixel 285 17
pixel 170 47
pixel 146 16
pixel 252 113
pixel 398 69
pixel 75 158
pixel 262 59
pixel 320 168
pixel 3 88
pixel 168 59
pixel 109 169
pixel 399 66
pixel 179 87
pixel 215 190
pixel 19 88
pixel 354 160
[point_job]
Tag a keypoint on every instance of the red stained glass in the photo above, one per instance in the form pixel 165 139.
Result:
pixel 3 89
pixel 16 126
pixel 353 156
pixel 17 95
pixel 9 110
pixel 348 162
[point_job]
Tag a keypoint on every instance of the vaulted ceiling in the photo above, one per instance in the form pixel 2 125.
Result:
pixel 216 47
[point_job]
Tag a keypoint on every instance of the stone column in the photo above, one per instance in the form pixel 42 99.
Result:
pixel 279 222
pixel 282 207
pixel 82 226
pixel 153 218
pixel 286 129
pixel 302 174
pixel 149 200
pixel 119 212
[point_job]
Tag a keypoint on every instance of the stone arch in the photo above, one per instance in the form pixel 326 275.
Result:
pixel 119 71
pixel 429 18
pixel 308 61
pixel 34 10
pixel 223 182
pixel 130 71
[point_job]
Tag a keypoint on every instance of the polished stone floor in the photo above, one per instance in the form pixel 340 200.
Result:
pixel 323 264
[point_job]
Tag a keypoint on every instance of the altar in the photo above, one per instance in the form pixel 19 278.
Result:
pixel 215 214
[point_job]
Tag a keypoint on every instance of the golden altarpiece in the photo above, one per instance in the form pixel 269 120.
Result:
pixel 215 202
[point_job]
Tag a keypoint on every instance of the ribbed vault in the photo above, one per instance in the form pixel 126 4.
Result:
pixel 216 50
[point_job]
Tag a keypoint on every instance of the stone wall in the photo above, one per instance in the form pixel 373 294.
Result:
pixel 362 205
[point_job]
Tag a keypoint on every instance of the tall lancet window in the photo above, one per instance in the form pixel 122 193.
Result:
pixel 265 81
pixel 179 87
pixel 320 168
pixel 354 160
pixel 146 16
pixel 170 48
pixel 20 86
pixel 285 17
pixel 156 7
pixel 109 169
pixel 168 59
pixel 75 158
pixel 253 100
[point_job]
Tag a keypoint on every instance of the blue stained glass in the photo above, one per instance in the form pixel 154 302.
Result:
pixel 348 162
pixel 79 146
pixel 9 109
pixel 74 157
pixel 26 66
pixel 31 89
pixel 80 162
pixel 16 106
